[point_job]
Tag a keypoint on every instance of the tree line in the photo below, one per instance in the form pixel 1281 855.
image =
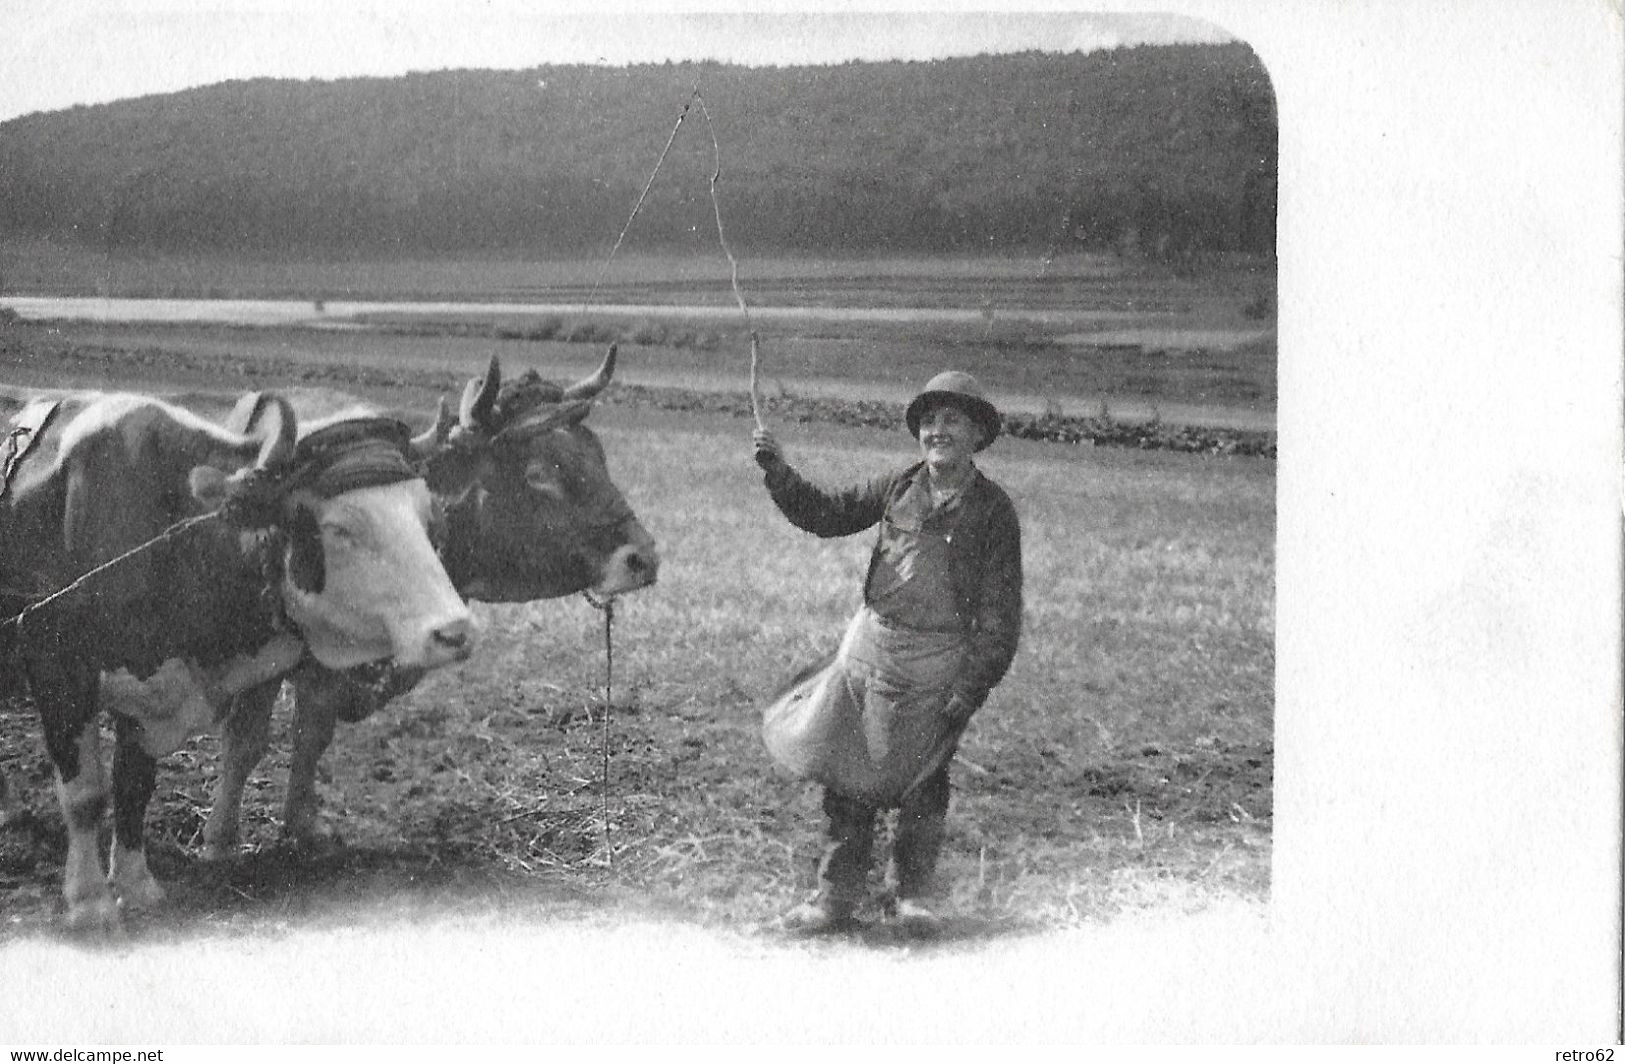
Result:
pixel 1157 150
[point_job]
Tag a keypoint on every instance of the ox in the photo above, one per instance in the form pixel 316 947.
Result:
pixel 319 546
pixel 531 513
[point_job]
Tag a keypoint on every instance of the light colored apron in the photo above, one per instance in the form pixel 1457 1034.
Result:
pixel 869 724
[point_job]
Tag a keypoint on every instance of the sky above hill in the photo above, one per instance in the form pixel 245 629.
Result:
pixel 58 53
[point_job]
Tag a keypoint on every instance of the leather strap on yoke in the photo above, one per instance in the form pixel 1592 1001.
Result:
pixel 359 453
pixel 25 432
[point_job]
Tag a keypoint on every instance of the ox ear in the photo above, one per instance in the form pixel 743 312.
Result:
pixel 209 486
pixel 591 386
pixel 253 501
pixel 434 437
pixel 307 566
pixel 572 413
pixel 566 414
pixel 479 398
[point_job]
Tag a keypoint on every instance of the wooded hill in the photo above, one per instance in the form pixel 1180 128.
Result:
pixel 1162 150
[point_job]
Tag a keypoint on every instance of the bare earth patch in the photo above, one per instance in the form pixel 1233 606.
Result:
pixel 1112 816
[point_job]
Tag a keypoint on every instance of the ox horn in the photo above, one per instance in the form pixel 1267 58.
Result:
pixel 279 438
pixel 594 384
pixel 435 436
pixel 479 398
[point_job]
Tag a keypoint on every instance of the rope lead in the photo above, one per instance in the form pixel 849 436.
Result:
pixel 607 608
pixel 609 700
pixel 80 581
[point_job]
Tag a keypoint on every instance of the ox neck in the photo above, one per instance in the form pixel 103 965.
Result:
pixel 452 471
pixel 458 552
pixel 218 603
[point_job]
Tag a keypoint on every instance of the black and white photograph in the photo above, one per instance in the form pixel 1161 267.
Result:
pixel 827 525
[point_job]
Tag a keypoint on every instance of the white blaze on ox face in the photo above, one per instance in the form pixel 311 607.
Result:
pixel 385 593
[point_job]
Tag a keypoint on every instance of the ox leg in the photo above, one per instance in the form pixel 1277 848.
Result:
pixel 135 775
pixel 67 707
pixel 316 707
pixel 243 743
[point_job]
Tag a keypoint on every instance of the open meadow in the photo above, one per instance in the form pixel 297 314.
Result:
pixel 1125 762
pixel 1122 772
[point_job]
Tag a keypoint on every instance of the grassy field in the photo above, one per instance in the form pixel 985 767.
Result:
pixel 1124 765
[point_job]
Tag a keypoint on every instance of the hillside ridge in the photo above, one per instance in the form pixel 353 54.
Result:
pixel 1165 151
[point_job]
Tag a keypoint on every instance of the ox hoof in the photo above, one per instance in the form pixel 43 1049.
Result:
pixel 131 881
pixel 140 893
pixel 316 843
pixel 98 915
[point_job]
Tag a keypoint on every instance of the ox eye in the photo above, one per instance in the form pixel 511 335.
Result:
pixel 547 479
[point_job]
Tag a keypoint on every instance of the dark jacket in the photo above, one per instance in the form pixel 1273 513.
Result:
pixel 984 557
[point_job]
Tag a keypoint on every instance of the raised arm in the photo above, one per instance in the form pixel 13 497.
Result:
pixel 814 509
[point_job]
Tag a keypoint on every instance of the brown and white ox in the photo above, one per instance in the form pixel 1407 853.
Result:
pixel 319 547
pixel 531 513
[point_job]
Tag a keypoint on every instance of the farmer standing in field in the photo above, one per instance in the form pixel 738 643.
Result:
pixel 877 725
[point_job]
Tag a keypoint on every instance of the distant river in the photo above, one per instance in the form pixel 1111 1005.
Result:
pixel 337 313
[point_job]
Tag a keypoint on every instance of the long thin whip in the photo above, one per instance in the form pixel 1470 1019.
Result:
pixel 638 206
pixel 733 263
pixel 722 238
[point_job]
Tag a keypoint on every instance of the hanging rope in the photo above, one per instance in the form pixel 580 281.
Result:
pixel 607 608
pixel 609 701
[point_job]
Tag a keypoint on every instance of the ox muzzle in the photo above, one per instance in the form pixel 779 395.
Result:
pixel 632 565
